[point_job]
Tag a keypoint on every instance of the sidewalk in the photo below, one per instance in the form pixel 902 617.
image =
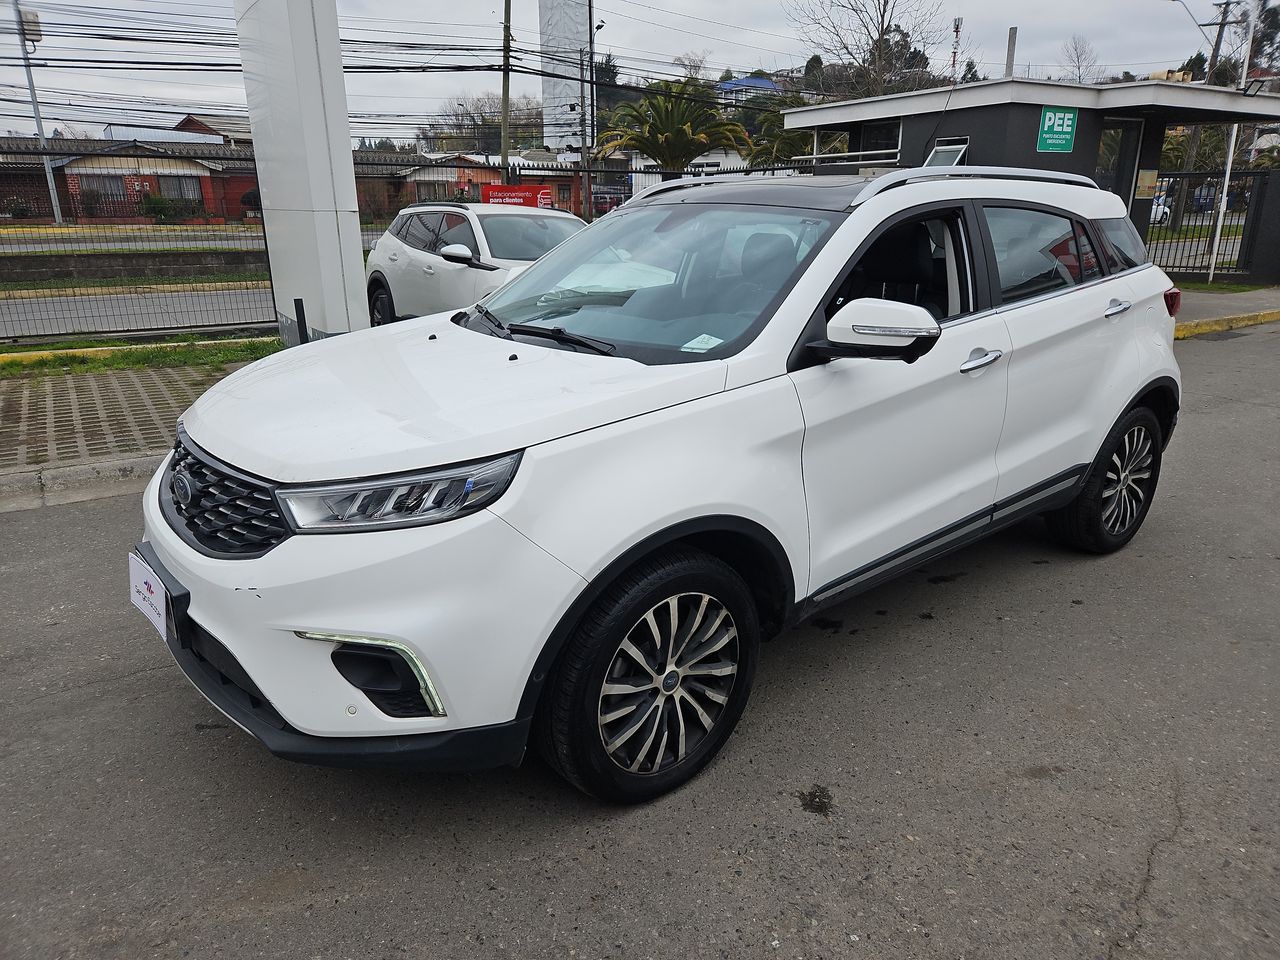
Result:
pixel 74 437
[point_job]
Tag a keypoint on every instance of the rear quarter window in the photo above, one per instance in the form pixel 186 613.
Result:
pixel 1121 245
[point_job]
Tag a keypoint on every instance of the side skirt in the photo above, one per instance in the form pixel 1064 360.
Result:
pixel 1055 492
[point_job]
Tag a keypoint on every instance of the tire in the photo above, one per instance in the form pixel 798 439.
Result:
pixel 645 709
pixel 1105 515
pixel 381 308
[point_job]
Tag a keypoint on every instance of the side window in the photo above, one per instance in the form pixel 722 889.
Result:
pixel 397 226
pixel 1035 251
pixel 1121 244
pixel 924 262
pixel 420 230
pixel 457 229
pixel 1090 268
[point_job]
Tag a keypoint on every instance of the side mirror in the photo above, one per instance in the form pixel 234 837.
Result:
pixel 457 253
pixel 883 329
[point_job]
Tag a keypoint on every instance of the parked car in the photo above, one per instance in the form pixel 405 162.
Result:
pixel 1160 210
pixel 568 516
pixel 443 256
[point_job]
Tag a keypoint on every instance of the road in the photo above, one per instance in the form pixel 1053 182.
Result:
pixel 1029 753
pixel 31 316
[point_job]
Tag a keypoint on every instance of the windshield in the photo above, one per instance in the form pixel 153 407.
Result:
pixel 526 237
pixel 669 283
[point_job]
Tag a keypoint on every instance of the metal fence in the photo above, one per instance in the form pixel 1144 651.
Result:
pixel 1185 213
pixel 150 239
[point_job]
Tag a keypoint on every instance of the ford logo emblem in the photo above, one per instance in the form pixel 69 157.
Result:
pixel 184 489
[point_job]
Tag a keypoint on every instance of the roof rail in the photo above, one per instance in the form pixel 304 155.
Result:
pixel 898 178
pixel 684 182
pixel 437 203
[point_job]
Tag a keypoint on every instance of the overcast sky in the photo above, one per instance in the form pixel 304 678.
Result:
pixel 1137 35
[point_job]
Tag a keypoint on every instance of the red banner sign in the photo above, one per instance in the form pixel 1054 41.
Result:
pixel 521 196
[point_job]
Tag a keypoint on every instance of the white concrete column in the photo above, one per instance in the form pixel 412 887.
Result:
pixel 302 144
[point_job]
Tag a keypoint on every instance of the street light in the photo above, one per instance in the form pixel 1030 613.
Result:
pixel 28 27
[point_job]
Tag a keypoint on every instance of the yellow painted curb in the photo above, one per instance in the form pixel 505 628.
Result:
pixel 40 293
pixel 1193 328
pixel 26 356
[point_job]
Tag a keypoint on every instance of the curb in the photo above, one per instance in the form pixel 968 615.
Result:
pixel 1193 328
pixel 74 482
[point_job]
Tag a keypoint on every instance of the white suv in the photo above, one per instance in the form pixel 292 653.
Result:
pixel 442 256
pixel 570 515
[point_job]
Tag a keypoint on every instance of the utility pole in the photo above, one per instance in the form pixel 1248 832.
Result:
pixel 35 108
pixel 506 91
pixel 582 132
pixel 1193 138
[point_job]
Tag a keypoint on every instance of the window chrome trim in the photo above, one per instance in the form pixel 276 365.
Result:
pixel 1041 298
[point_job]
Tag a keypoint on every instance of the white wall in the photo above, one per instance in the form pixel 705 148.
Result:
pixel 563 32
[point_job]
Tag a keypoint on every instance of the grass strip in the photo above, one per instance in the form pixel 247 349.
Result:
pixel 132 358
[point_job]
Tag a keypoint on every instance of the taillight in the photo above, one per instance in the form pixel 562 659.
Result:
pixel 1173 301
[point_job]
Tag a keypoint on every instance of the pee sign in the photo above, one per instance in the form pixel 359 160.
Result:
pixel 1057 130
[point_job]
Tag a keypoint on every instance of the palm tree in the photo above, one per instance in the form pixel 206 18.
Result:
pixel 672 124
pixel 775 145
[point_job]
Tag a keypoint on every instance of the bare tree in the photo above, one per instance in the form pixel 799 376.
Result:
pixel 1079 60
pixel 473 123
pixel 873 46
pixel 693 63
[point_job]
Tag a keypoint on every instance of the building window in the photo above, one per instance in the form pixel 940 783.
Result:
pixel 106 186
pixel 563 193
pixel 881 136
pixel 947 152
pixel 179 188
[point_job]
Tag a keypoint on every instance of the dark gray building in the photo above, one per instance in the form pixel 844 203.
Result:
pixel 1113 133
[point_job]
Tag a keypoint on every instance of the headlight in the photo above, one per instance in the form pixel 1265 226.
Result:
pixel 406 500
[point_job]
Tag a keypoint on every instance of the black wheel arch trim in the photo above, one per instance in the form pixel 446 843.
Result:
pixel 717 523
pixel 1167 383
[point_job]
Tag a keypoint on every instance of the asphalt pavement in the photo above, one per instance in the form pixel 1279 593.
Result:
pixel 1019 752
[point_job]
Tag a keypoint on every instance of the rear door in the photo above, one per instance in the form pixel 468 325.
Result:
pixel 1073 355
pixel 413 276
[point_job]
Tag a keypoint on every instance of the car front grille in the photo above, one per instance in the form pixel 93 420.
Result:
pixel 218 508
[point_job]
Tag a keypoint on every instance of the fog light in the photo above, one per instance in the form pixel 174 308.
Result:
pixel 385 671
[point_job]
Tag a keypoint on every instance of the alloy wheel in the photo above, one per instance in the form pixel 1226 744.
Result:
pixel 668 683
pixel 1125 489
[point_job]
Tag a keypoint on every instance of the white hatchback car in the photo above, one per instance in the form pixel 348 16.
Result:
pixel 569 515
pixel 443 256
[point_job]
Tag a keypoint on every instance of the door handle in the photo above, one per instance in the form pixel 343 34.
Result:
pixel 1115 308
pixel 429 271
pixel 393 257
pixel 980 361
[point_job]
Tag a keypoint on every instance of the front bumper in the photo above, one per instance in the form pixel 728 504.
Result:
pixel 216 673
pixel 472 600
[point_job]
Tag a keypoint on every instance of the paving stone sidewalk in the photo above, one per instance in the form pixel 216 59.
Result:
pixel 54 420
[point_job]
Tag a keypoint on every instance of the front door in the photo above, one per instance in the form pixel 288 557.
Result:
pixel 900 459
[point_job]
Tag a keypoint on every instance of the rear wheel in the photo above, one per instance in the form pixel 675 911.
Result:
pixel 1118 490
pixel 381 309
pixel 654 680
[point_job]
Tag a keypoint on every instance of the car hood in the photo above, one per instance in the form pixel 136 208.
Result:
pixel 421 393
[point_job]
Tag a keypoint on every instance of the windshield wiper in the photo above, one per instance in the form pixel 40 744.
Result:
pixel 497 326
pixel 561 335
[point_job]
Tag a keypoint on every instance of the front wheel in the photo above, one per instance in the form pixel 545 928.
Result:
pixel 381 310
pixel 1118 490
pixel 654 680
